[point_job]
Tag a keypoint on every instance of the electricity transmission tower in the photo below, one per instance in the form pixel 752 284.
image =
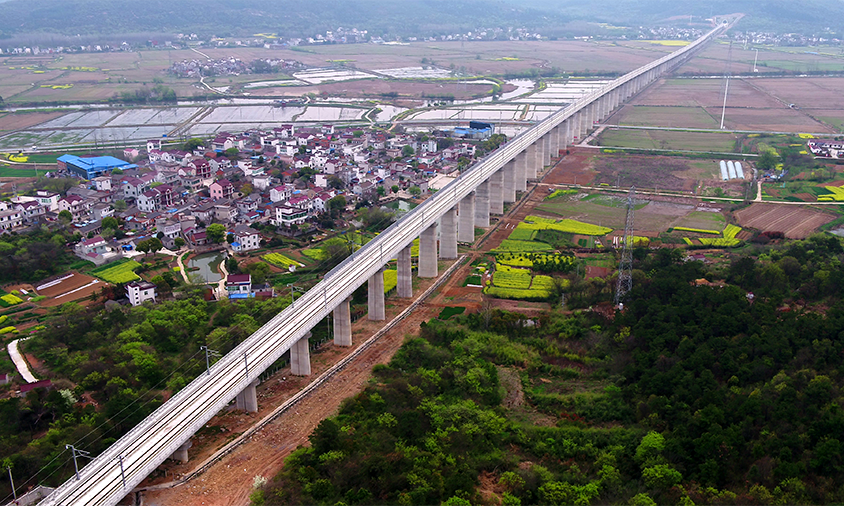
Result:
pixel 625 267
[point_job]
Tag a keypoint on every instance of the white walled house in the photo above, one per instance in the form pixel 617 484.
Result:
pixel 140 292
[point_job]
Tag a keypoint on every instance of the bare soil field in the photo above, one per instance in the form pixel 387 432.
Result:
pixel 703 93
pixel 664 116
pixel 771 120
pixel 17 121
pixel 66 282
pixel 643 171
pixel 806 92
pixel 796 222
pixel 574 168
pixel 714 58
pixel 482 57
pixel 382 87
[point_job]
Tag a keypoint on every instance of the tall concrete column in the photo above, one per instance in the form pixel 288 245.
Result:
pixel 521 169
pixel 534 159
pixel 482 205
pixel 404 276
pixel 466 220
pixel 247 400
pixel 343 323
pixel 556 140
pixel 508 188
pixel 428 252
pixel 300 355
pixel 181 454
pixel 584 123
pixel 545 147
pixel 448 234
pixel 375 296
pixel 496 192
pixel 575 128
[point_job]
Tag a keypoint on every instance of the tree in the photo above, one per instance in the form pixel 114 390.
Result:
pixel 381 191
pixel 231 153
pixel 259 271
pixel 192 144
pixel 767 160
pixel 65 216
pixel 150 245
pixel 230 238
pixel 415 191
pixel 120 205
pixel 117 172
pixel 394 188
pixel 336 205
pixel 179 242
pixel 335 182
pixel 247 189
pixel 407 151
pixel 159 236
pixel 111 222
pixel 216 233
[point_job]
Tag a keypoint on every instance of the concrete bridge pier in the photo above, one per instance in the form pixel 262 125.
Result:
pixel 496 192
pixel 466 222
pixel 547 151
pixel 181 454
pixel 428 252
pixel 247 400
pixel 482 205
pixel 534 160
pixel 343 322
pixel 448 234
pixel 522 160
pixel 508 181
pixel 404 275
pixel 578 122
pixel 584 124
pixel 555 136
pixel 375 296
pixel 300 353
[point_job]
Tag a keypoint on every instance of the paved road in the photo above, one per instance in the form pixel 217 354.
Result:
pixel 20 362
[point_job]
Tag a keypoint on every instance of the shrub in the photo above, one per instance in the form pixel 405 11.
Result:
pixel 11 299
pixel 6 330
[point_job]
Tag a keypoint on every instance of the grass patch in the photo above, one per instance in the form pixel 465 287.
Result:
pixel 448 312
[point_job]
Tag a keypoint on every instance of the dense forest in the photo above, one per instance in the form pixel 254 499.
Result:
pixel 724 393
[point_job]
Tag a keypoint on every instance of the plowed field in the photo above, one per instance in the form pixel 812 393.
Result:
pixel 796 222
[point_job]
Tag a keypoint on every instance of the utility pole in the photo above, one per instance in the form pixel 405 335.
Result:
pixel 14 493
pixel 208 354
pixel 76 453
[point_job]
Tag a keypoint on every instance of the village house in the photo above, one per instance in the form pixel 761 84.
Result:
pixel 139 292
pixel 246 239
pixel 239 286
pixel 158 198
pixel 222 189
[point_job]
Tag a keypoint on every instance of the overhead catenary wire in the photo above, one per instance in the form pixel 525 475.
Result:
pixel 142 399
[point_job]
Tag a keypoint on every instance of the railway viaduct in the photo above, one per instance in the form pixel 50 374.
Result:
pixel 444 220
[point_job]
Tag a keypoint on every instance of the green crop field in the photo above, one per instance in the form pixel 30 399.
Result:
pixel 669 140
pixel 120 272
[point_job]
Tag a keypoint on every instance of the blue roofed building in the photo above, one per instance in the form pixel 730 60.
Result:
pixel 89 168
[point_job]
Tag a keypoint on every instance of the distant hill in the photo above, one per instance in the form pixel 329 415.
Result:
pixel 239 17
pixel 805 16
